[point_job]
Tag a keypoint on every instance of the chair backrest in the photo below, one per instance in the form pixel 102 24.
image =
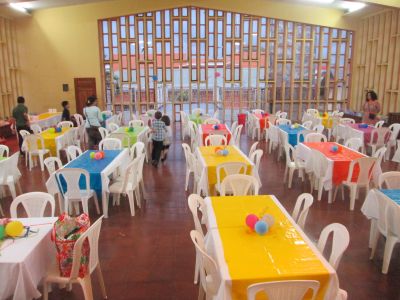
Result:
pixel 197 205
pixel 378 136
pixel 379 124
pixel 52 164
pixel 230 168
pixel 131 174
pixel 273 133
pixel 394 131
pixel 4 151
pixel 299 214
pixel 215 140
pixel 34 204
pixel 73 152
pixel 36 128
pixel 79 120
pixel 365 165
pixel 103 132
pixel 290 153
pixel 253 148
pixel 354 144
pixel 389 180
pixel 379 154
pixel 320 163
pixel 92 234
pixel 284 290
pixel 236 135
pixel 122 136
pixel 347 121
pixel 136 123
pixel 110 144
pixel 282 121
pixel 258 111
pixel 255 157
pixel 277 113
pixel 307 124
pixel 137 149
pixel 65 124
pixel 34 142
pixel 112 127
pixel 340 242
pixel 315 137
pixel 210 277
pixel 319 128
pixel 24 133
pixel 234 125
pixel 212 121
pixel 197 111
pixel 312 111
pixel 282 115
pixel 240 185
pixel 72 177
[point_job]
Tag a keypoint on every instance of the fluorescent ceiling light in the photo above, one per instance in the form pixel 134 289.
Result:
pixel 320 1
pixel 352 6
pixel 22 7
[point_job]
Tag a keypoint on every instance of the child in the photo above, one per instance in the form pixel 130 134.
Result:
pixel 158 130
pixel 167 138
pixel 66 116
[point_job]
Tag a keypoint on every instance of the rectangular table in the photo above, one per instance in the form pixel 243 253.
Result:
pixel 292 133
pixel 206 129
pixel 363 133
pixel 210 160
pixel 245 258
pixel 46 120
pixel 24 261
pixel 134 136
pixel 54 140
pixel 101 170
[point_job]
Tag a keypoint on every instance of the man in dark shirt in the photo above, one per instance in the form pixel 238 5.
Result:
pixel 66 116
pixel 20 114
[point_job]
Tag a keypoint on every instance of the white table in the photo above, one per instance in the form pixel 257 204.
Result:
pixel 24 262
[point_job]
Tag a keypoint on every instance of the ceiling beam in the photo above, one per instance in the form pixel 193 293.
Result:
pixel 390 3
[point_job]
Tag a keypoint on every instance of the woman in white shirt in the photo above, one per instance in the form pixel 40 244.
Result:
pixel 93 118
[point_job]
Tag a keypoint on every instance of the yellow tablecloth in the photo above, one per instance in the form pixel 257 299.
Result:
pixel 47 115
pixel 50 139
pixel 212 160
pixel 281 254
pixel 326 121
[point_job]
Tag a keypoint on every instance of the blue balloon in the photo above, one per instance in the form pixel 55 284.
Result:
pixel 261 227
pixel 155 78
pixel 334 148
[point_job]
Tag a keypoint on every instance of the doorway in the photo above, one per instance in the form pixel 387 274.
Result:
pixel 84 87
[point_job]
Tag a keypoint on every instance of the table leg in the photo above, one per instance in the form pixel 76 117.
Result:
pixel 104 203
pixel 372 232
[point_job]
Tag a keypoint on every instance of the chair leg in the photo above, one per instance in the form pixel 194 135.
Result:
pixel 201 292
pixel 291 171
pixel 284 175
pixel 187 179
pixel 320 188
pixel 101 281
pixel 196 270
pixel 86 284
pixel 389 245
pixel 45 290
pixel 11 186
pixel 335 193
pixel 353 191
pixel 41 157
pixel 138 198
pixel 372 231
pixel 131 203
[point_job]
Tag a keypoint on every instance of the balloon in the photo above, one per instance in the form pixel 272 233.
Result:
pixel 97 156
pixel 52 130
pixel 217 149
pixel 155 78
pixel 58 129
pixel 269 219
pixel 92 154
pixel 251 220
pixel 102 154
pixel 261 227
pixel 131 129
pixel 225 152
pixel 127 129
pixel 334 148
pixel 217 74
pixel 216 126
pixel 14 228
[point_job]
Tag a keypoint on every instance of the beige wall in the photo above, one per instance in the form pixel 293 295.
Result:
pixel 59 44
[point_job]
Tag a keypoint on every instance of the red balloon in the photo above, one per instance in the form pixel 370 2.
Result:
pixel 217 74
pixel 251 220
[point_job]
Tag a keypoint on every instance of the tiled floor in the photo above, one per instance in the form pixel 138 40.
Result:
pixel 150 256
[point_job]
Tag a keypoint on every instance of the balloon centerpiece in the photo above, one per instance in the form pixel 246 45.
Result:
pixel 335 149
pixel 362 125
pixel 295 125
pixel 10 228
pixel 97 155
pixel 221 151
pixel 129 129
pixel 58 129
pixel 325 114
pixel 216 126
pixel 260 226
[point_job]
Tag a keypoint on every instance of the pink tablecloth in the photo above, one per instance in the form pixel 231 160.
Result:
pixel 367 131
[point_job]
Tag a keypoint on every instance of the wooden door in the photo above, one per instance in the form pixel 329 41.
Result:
pixel 84 87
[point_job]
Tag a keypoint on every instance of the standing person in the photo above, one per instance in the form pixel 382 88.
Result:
pixel 93 119
pixel 20 114
pixel 66 116
pixel 167 138
pixel 371 108
pixel 158 130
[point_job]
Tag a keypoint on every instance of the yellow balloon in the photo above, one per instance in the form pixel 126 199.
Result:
pixel 14 228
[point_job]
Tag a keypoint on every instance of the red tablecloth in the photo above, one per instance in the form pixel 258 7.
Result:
pixel 341 160
pixel 209 128
pixel 367 132
pixel 263 120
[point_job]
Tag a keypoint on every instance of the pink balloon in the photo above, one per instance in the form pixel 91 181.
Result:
pixel 97 156
pixel 251 220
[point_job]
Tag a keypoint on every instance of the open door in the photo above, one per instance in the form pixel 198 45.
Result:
pixel 84 87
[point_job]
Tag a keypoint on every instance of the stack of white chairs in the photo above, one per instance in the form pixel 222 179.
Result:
pixel 34 204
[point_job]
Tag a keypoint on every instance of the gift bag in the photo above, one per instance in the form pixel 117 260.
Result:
pixel 66 232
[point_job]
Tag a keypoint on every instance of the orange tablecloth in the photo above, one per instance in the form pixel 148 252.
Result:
pixel 263 118
pixel 341 160
pixel 209 128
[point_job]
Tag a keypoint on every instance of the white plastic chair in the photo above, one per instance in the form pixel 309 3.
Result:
pixel 119 119
pixel 215 140
pixel 300 214
pixel 307 125
pixel 319 128
pixel 212 121
pixel 292 164
pixel 284 290
pixel 32 143
pixel 355 144
pixel 239 185
pixel 190 168
pixel 110 144
pixel 79 120
pixel 127 184
pixel 122 136
pixel 319 169
pixel 255 157
pixel 379 155
pixel 112 127
pixel 53 275
pixel 340 242
pixel 229 168
pixel 312 111
pixel 363 180
pixel 136 150
pixel 34 204
pixel 74 193
pixel 10 174
pixel 65 124
pixel 273 137
pixel 377 140
pixel 282 115
pixel 254 127
pixel 315 138
pixel 73 152
pixel 136 123
pixel 4 151
pixel 253 148
pixel 210 277
pixel 103 132
pixel 52 164
pixel 379 124
pixel 185 131
pixel 390 180
pixel 233 126
pixel 281 121
pixel 235 140
pixel 36 128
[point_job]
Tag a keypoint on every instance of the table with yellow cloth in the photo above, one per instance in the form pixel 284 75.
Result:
pixel 53 140
pixel 210 160
pixel 46 120
pixel 244 258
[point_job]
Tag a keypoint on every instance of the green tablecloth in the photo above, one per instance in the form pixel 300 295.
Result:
pixel 3 158
pixel 132 134
pixel 196 119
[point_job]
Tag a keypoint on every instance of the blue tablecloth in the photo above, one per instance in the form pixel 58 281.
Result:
pixel 94 167
pixel 292 133
pixel 393 194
